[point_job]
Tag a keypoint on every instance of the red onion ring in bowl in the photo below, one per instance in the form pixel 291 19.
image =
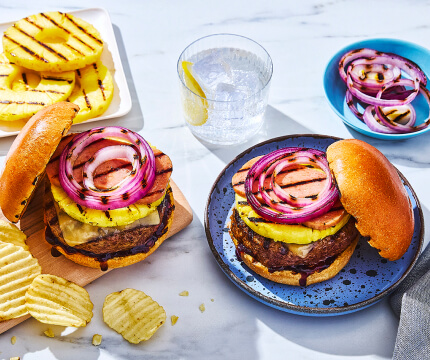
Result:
pixel 378 101
pixel 375 124
pixel 380 74
pixel 370 56
pixel 398 127
pixel 350 102
pixel 385 87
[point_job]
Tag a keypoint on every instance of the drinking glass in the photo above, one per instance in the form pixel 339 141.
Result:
pixel 224 86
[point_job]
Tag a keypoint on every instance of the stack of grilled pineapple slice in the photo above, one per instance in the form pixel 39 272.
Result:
pixel 51 57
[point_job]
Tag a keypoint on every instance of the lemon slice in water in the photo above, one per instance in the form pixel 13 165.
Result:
pixel 195 105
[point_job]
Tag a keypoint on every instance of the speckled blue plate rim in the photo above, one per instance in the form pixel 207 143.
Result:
pixel 335 60
pixel 287 307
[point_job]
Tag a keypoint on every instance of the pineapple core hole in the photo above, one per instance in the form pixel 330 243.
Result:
pixel 53 36
pixel 33 79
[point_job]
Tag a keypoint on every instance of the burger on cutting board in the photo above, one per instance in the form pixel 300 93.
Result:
pixel 108 202
pixel 299 212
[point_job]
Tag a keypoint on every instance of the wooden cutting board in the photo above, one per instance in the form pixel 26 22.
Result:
pixel 32 225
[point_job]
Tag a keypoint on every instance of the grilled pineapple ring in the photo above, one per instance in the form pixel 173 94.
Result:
pixel 296 234
pixel 116 217
pixel 24 92
pixel 93 91
pixel 52 41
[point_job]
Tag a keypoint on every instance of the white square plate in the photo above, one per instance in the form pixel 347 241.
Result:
pixel 121 102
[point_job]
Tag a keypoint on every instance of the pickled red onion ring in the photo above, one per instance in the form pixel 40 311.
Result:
pixel 135 186
pixel 274 208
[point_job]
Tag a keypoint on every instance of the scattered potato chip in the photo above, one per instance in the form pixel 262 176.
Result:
pixel 184 293
pixel 174 319
pixel 13 340
pixel 49 333
pixel 202 307
pixel 17 271
pixel 97 339
pixel 15 358
pixel 9 233
pixel 133 314
pixel 54 300
pixel 212 300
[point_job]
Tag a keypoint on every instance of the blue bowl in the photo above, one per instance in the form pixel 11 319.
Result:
pixel 335 88
pixel 365 280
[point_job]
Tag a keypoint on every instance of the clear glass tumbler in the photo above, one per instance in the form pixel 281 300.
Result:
pixel 224 85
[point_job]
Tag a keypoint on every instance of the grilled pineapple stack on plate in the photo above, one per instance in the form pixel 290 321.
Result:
pixel 51 57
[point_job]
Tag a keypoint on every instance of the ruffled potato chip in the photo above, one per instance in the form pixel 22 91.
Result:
pixel 133 314
pixel 53 300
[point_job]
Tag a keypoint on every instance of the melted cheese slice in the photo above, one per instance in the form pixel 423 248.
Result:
pixel 76 232
pixel 300 250
pixel 295 234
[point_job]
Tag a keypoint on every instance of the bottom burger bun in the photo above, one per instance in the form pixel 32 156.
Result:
pixel 290 277
pixel 115 250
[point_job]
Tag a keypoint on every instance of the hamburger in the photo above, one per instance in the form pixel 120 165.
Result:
pixel 299 213
pixel 107 198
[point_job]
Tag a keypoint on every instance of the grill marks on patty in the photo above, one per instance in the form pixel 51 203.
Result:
pixel 276 255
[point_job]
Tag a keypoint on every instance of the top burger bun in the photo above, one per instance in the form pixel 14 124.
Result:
pixel 29 154
pixel 373 193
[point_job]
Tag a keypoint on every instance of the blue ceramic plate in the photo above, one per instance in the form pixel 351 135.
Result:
pixel 335 88
pixel 366 279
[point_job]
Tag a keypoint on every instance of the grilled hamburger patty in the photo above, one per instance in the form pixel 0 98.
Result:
pixel 139 239
pixel 275 255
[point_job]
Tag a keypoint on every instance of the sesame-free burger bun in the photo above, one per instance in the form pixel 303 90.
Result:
pixel 29 154
pixel 373 193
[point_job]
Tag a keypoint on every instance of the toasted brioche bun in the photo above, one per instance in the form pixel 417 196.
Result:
pixel 119 261
pixel 29 154
pixel 289 277
pixel 373 193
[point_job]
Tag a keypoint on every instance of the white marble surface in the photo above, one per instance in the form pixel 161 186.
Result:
pixel 301 37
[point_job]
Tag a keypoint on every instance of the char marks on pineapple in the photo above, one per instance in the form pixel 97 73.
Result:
pixel 44 45
pixel 99 82
pixel 83 30
pixel 26 49
pixel 67 31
